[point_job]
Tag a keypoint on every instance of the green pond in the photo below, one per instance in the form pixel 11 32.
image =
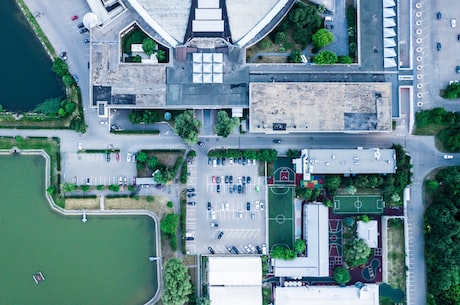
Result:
pixel 26 77
pixel 103 261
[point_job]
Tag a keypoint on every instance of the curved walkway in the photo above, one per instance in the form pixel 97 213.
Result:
pixel 62 211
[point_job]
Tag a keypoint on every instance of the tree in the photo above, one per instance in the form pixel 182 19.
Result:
pixel 68 187
pixel 356 252
pixel 293 153
pixel 169 223
pixel 141 157
pixel 342 275
pixel 431 184
pixel 60 67
pixel 299 246
pixel 303 192
pixel 295 56
pixel 177 286
pixel 114 188
pixel 280 37
pixel 49 107
pixel 345 59
pixel 325 58
pixel 164 175
pixel 69 106
pixel 68 80
pixel 322 38
pixel 85 188
pixel 187 127
pixel 224 124
pixel 152 162
pixel 51 190
pixel 265 44
pixel 351 189
pixel 332 183
pixel 149 46
pixel 204 301
pixel 283 252
pixel 161 56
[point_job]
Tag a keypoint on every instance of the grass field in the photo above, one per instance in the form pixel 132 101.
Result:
pixel 358 204
pixel 281 216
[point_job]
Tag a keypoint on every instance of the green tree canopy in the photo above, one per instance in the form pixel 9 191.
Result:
pixel 342 275
pixel 68 187
pixel 203 301
pixel 225 124
pixel 325 58
pixel 49 107
pixel 299 246
pixel 345 59
pixel 295 56
pixel 141 157
pixel 152 162
pixel 356 252
pixel 149 46
pixel 60 67
pixel 322 38
pixel 283 252
pixel 169 223
pixel 164 175
pixel 187 127
pixel 177 286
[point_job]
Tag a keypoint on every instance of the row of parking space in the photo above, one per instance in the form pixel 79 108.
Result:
pixel 237 189
pixel 237 249
pixel 237 234
pixel 235 215
pixel 104 180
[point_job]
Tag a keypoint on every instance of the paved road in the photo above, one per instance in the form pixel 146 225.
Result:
pixel 63 33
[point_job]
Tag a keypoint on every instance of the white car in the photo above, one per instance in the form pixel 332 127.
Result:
pixel 227 206
pixel 453 22
pixel 213 215
pixel 257 204
pixel 80 146
pixel 261 206
pixel 448 156
pixel 128 157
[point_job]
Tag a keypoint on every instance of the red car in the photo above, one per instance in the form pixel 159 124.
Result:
pixel 74 17
pixel 118 157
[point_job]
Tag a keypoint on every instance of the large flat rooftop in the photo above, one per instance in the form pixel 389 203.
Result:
pixel 313 107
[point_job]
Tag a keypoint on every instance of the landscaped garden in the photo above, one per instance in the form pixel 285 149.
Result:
pixel 162 165
pixel 138 47
pixel 301 32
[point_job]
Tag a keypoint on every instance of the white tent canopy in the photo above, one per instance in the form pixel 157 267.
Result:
pixel 198 57
pixel 389 42
pixel 369 232
pixel 389 52
pixel 389 32
pixel 389 3
pixel 389 63
pixel 389 22
pixel 388 12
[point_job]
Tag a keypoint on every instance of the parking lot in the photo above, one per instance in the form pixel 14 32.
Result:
pixel 226 207
pixel 79 167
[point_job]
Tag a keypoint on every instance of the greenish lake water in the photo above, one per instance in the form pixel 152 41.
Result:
pixel 26 77
pixel 104 261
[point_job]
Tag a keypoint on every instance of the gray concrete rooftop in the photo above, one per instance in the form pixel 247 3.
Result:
pixel 313 107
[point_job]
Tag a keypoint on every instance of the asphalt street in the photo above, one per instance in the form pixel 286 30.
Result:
pixel 63 34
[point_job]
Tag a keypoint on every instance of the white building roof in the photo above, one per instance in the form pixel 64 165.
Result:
pixel 207 25
pixel 389 22
pixel 369 232
pixel 327 295
pixel 316 263
pixel 389 3
pixel 389 62
pixel 345 161
pixel 389 32
pixel 235 271
pixel 389 42
pixel 208 14
pixel 208 3
pixel 247 295
pixel 389 52
pixel 388 12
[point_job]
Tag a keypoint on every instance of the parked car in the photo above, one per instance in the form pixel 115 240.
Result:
pixel 453 22
pixel 88 182
pixel 226 179
pixel 74 17
pixel 200 143
pixel 120 180
pixel 248 179
pixel 457 69
pixel 224 161
pixel 229 249
pixel 438 46
pixel 191 203
pixel 261 206
pixel 83 30
pixel 191 190
pixel 448 156
pixel 128 157
pixel 218 179
pixel 239 189
pixel 214 224
pixel 235 250
pixel 230 179
pixel 80 25
pixel 75 78
pixel 63 55
pixel 240 214
pixel 243 180
pixel 213 179
pixel 246 247
pixel 257 204
pixel 259 250
pixel 218 188
pixel 252 248
pixel 264 249
pixel 86 40
pixel 277 141
pixel 248 206
pixel 211 250
pixel 253 215
pixel 227 206
pixel 438 15
pixel 219 236
pixel 209 161
pixel 189 236
pixel 107 157
pixel 191 195
pixel 213 215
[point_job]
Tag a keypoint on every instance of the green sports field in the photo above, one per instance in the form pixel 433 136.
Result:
pixel 358 204
pixel 281 216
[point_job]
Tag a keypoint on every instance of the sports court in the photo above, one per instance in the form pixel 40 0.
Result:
pixel 283 172
pixel 281 216
pixel 358 204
